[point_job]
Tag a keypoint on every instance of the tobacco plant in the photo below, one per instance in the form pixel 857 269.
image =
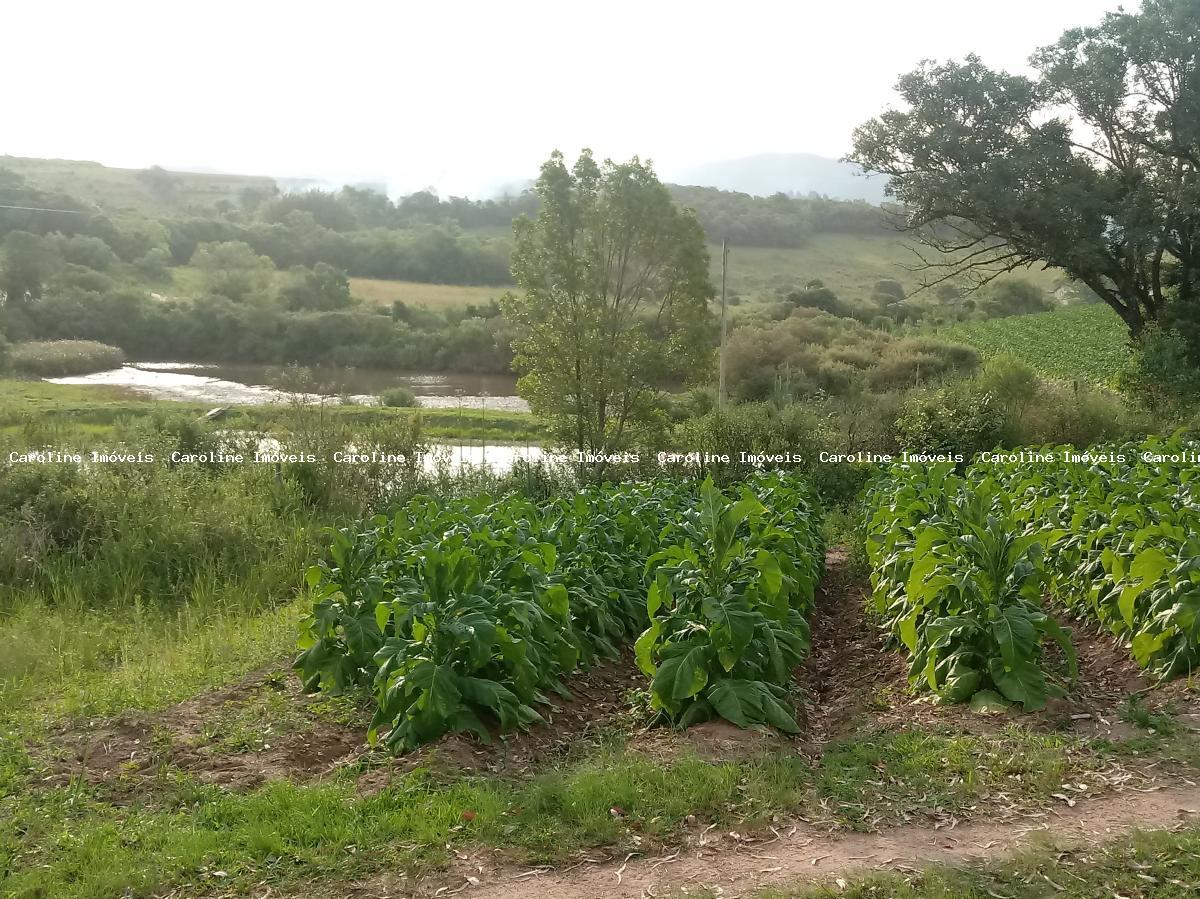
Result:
pixel 728 604
pixel 959 586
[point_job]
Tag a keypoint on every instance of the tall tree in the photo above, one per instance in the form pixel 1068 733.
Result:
pixel 1090 167
pixel 613 299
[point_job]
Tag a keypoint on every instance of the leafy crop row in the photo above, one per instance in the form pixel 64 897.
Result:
pixel 467 616
pixel 728 604
pixel 961 563
pixel 1126 547
pixel 959 586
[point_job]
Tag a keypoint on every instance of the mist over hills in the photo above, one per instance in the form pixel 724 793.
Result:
pixel 791 173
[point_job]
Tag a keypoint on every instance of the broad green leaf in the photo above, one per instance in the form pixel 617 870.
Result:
pixel 643 649
pixel 681 676
pixel 988 702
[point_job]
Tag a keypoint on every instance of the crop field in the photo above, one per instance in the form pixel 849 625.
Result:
pixel 1088 341
pixel 498 602
pixel 961 564
pixel 543 677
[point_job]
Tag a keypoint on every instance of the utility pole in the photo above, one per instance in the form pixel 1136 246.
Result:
pixel 721 383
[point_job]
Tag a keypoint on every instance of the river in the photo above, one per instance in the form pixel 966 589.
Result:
pixel 253 385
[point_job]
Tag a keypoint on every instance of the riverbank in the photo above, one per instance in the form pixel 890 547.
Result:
pixel 33 412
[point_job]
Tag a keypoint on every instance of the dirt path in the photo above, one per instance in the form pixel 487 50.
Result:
pixel 738 867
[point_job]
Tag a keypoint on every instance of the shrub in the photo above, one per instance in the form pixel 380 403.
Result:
pixel 399 397
pixel 1010 381
pixel 57 358
pixel 889 290
pixel 1074 414
pixel 958 418
pixel 1160 373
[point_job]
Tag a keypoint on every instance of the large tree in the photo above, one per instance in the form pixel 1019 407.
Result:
pixel 1090 166
pixel 613 299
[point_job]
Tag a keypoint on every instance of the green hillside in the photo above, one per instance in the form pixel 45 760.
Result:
pixel 1088 342
pixel 126 189
pixel 848 264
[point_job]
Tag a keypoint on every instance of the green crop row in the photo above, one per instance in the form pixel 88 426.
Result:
pixel 728 604
pixel 465 617
pixel 961 563
pixel 1125 548
pixel 959 586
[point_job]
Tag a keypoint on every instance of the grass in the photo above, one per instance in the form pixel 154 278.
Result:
pixel 122 190
pixel 188 281
pixel 179 833
pixel 1088 342
pixel 36 413
pixel 434 297
pixel 1164 865
pixel 848 264
pixel 57 358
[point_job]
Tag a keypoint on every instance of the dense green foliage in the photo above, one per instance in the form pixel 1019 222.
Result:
pixel 462 616
pixel 613 302
pixel 1091 166
pixel 1127 540
pixel 728 604
pixel 812 352
pixel 454 613
pixel 959 586
pixel 961 561
pixel 217 328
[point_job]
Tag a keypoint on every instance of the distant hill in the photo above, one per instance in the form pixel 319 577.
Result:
pixel 118 190
pixel 789 173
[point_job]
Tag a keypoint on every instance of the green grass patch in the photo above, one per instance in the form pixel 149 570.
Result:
pixel 35 413
pixel 123 189
pixel 848 264
pixel 58 358
pixel 64 843
pixel 179 834
pixel 885 775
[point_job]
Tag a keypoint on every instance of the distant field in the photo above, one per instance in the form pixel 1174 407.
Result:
pixel 849 264
pixel 427 296
pixel 187 281
pixel 1088 342
pixel 121 189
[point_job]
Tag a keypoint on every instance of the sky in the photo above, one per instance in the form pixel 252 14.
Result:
pixel 469 96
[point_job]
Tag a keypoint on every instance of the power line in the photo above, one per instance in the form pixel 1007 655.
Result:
pixel 41 209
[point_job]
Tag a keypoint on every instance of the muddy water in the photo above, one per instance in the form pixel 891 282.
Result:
pixel 258 384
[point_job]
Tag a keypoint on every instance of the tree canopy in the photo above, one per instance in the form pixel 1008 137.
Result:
pixel 614 299
pixel 1090 166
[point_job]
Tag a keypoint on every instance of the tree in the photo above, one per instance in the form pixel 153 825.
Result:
pixel 232 269
pixel 1090 167
pixel 27 262
pixel 613 299
pixel 161 183
pixel 1016 296
pixel 320 288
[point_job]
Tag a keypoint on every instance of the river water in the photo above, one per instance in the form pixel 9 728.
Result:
pixel 253 385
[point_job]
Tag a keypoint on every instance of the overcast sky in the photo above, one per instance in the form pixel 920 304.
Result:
pixel 468 95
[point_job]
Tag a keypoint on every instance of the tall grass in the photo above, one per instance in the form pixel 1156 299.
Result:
pixel 60 358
